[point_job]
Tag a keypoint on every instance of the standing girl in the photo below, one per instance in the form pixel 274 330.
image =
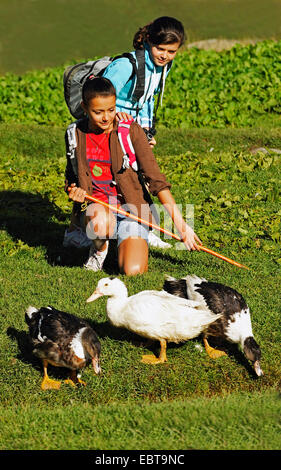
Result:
pixel 156 44
pixel 100 172
pixel 160 41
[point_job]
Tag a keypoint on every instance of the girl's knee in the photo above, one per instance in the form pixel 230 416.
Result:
pixel 132 269
pixel 133 256
pixel 100 222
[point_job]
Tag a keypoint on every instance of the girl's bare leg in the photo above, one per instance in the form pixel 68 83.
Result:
pixel 100 223
pixel 133 256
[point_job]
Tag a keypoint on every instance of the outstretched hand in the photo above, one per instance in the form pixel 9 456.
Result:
pixel 190 239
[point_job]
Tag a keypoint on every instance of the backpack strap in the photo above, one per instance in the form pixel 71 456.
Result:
pixel 129 159
pixel 165 70
pixel 138 65
pixel 140 83
pixel 129 156
pixel 72 144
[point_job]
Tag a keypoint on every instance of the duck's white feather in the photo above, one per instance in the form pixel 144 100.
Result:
pixel 40 337
pixel 241 328
pixel 192 293
pixel 76 344
pixel 30 310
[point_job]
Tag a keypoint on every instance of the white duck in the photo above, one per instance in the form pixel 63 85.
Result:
pixel 234 324
pixel 156 315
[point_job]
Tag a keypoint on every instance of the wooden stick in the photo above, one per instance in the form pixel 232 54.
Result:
pixel 224 258
pixel 160 229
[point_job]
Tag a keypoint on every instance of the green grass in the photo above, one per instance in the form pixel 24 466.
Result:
pixel 238 421
pixel 192 401
pixel 50 33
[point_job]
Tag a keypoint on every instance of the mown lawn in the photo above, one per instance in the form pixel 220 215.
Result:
pixel 192 402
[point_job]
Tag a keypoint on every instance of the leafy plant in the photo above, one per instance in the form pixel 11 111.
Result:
pixel 235 88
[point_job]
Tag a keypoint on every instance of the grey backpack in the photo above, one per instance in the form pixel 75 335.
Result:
pixel 75 76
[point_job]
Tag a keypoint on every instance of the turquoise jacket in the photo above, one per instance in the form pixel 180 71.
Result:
pixel 119 73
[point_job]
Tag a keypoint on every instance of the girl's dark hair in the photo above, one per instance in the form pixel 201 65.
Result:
pixel 163 30
pixel 97 86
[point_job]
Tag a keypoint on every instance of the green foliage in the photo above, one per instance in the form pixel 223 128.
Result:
pixel 35 97
pixel 234 88
pixel 50 34
pixel 228 88
pixel 236 196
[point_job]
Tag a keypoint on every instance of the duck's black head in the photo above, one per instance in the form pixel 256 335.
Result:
pixel 253 353
pixel 92 347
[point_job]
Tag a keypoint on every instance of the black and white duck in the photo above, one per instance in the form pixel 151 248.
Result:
pixel 233 325
pixel 153 314
pixel 62 340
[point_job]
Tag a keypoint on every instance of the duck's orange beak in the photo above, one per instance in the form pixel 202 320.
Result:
pixel 94 296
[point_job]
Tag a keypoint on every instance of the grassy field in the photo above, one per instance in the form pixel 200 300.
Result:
pixel 35 34
pixel 192 402
pixel 238 422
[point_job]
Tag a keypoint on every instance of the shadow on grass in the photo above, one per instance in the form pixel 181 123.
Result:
pixel 36 221
pixel 33 219
pixel 107 330
pixel 166 256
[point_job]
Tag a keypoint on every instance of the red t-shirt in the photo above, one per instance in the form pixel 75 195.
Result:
pixel 99 160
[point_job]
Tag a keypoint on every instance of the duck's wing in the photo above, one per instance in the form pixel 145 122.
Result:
pixel 168 295
pixel 192 284
pixel 57 326
pixel 175 287
pixel 163 306
pixel 48 350
pixel 218 298
pixel 184 287
pixel 155 314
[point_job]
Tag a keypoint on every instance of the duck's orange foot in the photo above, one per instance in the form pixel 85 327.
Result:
pixel 81 382
pixel 49 384
pixel 74 380
pixel 70 382
pixel 212 352
pixel 151 359
pixel 215 353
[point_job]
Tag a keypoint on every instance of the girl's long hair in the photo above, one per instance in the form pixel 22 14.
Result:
pixel 163 30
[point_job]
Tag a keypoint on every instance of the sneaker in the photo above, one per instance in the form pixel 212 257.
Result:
pixel 76 238
pixel 96 259
pixel 155 241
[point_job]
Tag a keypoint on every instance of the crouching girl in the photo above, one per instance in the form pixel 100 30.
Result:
pixel 102 174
